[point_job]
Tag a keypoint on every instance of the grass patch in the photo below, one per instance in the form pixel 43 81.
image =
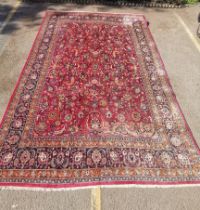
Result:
pixel 190 1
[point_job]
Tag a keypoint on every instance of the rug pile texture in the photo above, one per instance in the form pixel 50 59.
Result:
pixel 94 105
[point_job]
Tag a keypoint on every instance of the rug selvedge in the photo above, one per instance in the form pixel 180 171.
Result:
pixel 94 104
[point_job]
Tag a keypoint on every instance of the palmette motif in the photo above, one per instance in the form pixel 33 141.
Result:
pixel 94 105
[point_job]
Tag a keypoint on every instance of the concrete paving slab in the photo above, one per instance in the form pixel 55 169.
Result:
pixel 150 199
pixel 38 200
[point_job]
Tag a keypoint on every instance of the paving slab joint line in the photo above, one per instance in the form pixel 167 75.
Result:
pixel 10 15
pixel 188 31
pixel 4 24
pixel 96 198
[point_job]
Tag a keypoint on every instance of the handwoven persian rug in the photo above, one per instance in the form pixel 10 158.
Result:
pixel 94 106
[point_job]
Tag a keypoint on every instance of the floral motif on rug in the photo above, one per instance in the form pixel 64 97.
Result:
pixel 94 105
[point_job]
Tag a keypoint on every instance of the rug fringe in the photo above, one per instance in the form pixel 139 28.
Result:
pixel 98 186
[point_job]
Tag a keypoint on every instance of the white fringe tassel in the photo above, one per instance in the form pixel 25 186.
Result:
pixel 97 186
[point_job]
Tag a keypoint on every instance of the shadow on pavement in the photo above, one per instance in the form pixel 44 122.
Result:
pixel 29 14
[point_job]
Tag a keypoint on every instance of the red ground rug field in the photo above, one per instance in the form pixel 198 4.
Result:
pixel 94 105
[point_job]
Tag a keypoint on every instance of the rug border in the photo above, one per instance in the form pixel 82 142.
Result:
pixel 23 70
pixel 171 88
pixel 19 185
